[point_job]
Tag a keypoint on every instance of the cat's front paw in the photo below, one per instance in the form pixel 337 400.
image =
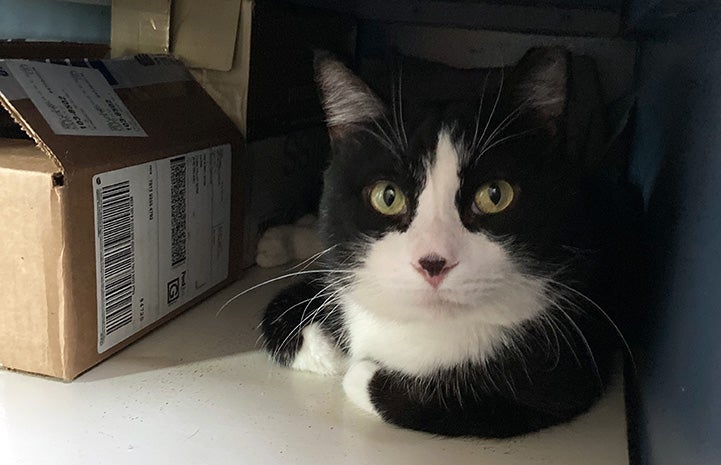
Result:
pixel 274 247
pixel 356 384
pixel 319 353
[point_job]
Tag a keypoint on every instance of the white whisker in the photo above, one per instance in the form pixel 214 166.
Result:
pixel 495 105
pixel 309 261
pixel 296 305
pixel 505 139
pixel 585 342
pixel 478 113
pixel 400 106
pixel 270 281
pixel 511 117
pixel 394 104
pixel 605 315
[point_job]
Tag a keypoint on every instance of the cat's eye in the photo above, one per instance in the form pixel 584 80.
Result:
pixel 387 198
pixel 493 197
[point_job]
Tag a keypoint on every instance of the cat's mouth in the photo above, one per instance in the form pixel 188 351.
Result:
pixel 441 299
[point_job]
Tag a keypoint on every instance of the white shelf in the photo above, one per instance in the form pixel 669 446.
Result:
pixel 197 391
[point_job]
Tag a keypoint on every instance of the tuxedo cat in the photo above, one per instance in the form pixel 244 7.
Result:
pixel 474 272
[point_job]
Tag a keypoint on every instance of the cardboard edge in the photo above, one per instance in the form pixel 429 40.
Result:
pixel 27 129
pixel 65 289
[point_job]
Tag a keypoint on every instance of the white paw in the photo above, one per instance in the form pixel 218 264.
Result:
pixel 318 353
pixel 274 248
pixel 356 382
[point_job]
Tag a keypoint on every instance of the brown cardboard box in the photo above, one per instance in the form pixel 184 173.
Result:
pixel 118 216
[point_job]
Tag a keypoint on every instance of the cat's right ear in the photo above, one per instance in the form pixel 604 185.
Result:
pixel 347 101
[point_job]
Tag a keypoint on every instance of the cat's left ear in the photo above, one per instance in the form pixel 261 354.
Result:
pixel 540 83
pixel 347 101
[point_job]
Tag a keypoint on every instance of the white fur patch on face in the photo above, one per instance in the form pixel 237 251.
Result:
pixel 437 228
pixel 356 382
pixel 318 353
pixel 396 317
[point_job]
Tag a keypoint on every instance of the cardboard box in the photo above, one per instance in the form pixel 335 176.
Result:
pixel 118 215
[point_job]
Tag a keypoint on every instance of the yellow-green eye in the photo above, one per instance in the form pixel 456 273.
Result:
pixel 387 198
pixel 493 197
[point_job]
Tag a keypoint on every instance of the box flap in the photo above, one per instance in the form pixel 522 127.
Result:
pixel 203 34
pixel 139 26
pixel 10 90
pixel 110 113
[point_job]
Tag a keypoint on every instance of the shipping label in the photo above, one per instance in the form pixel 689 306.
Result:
pixel 161 238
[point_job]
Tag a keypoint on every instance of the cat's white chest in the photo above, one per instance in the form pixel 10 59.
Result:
pixel 421 347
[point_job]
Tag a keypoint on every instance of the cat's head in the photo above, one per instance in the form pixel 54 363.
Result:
pixel 458 212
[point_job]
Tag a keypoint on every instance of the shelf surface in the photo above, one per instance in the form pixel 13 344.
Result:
pixel 198 391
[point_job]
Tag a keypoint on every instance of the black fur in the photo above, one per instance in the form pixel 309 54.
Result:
pixel 281 326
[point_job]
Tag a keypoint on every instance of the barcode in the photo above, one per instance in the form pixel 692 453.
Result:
pixel 177 211
pixel 117 260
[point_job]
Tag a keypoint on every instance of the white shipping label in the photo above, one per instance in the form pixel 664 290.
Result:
pixel 162 238
pixel 75 101
pixel 9 87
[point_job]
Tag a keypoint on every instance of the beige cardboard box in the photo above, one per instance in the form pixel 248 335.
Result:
pixel 120 213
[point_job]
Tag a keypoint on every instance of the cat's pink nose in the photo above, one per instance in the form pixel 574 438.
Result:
pixel 434 269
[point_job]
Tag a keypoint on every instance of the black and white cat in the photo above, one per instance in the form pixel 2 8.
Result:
pixel 468 258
